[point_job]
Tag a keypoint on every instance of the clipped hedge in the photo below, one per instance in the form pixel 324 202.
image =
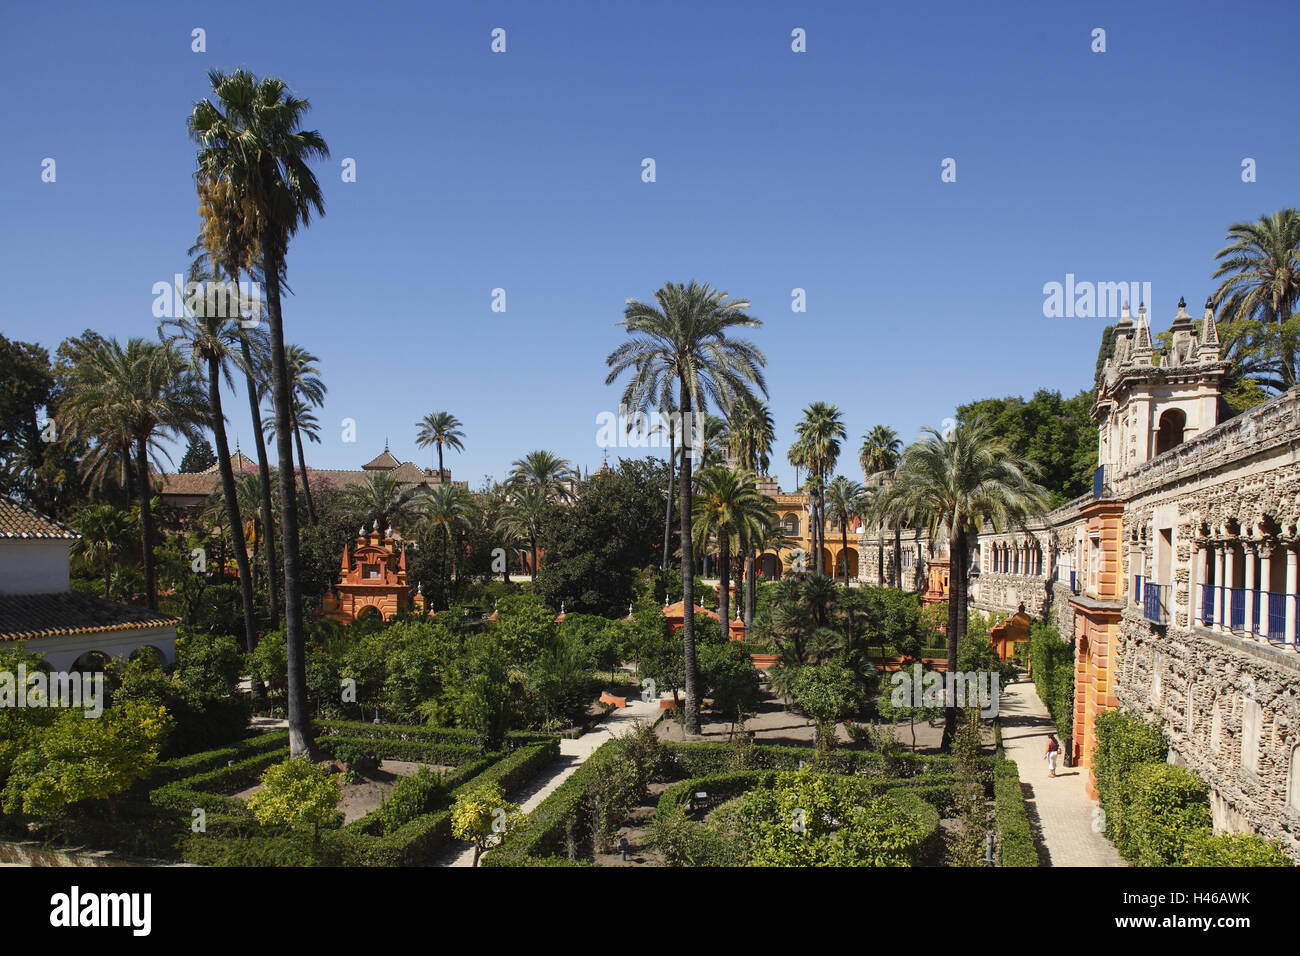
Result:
pixel 543 831
pixel 701 759
pixel 422 732
pixel 1053 674
pixel 1015 835
pixel 210 791
pixel 167 771
pixel 1124 742
pixel 1162 806
pixel 357 749
pixel 700 845
pixel 1232 849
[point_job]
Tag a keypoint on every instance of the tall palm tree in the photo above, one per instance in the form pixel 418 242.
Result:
pixel 130 398
pixel 727 505
pixel 307 391
pixel 817 448
pixel 684 342
pixel 446 511
pixel 381 499
pixel 953 488
pixel 845 499
pixel 229 249
pixel 1260 268
pixel 670 422
pixel 881 448
pixel 545 470
pixel 211 343
pixel 440 428
pixel 523 517
pixel 751 434
pixel 251 139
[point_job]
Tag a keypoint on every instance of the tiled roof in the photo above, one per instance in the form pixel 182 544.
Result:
pixel 384 462
pixel 29 616
pixel 238 461
pixel 410 472
pixel 19 521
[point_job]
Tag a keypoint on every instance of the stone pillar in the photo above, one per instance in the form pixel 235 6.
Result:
pixel 1265 584
pixel 1249 622
pixel 1288 605
pixel 1218 586
pixel 1195 577
pixel 1229 572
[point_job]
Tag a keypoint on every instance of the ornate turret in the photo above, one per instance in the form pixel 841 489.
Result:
pixel 372 579
pixel 1143 409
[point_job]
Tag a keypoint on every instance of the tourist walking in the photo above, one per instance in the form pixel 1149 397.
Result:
pixel 1053 748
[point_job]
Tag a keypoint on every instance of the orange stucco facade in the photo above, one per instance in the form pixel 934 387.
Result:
pixel 1097 615
pixel 372 580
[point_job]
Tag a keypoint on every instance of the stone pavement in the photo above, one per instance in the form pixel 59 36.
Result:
pixel 572 755
pixel 1059 806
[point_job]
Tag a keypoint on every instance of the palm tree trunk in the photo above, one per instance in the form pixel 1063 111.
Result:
pixel 724 582
pixel 300 736
pixel 302 465
pixel 146 524
pixel 264 473
pixel 844 549
pixel 439 462
pixel 956 626
pixel 692 723
pixel 668 508
pixel 532 546
pixel 751 588
pixel 217 420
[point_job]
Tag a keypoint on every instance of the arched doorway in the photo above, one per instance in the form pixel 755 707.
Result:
pixel 770 567
pixel 848 563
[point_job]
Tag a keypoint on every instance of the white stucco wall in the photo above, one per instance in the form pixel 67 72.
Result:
pixel 34 566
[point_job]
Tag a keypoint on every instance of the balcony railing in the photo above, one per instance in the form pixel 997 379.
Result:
pixel 1268 612
pixel 1155 603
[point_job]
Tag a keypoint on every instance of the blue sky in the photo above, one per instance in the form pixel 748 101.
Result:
pixel 775 170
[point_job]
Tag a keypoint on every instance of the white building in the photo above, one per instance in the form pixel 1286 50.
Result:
pixel 40 612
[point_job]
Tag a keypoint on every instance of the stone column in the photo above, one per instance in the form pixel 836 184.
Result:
pixel 1229 571
pixel 1218 586
pixel 1248 548
pixel 1288 606
pixel 1265 584
pixel 1195 577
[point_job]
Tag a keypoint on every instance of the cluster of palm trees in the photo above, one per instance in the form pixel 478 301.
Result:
pixel 536 481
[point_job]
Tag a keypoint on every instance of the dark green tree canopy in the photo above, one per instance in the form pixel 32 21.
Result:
pixel 199 456
pixel 1054 433
pixel 593 548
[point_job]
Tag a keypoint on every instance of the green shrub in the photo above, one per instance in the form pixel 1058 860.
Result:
pixel 1203 848
pixel 1053 674
pixel 1015 836
pixel 1124 741
pixel 410 797
pixel 1162 806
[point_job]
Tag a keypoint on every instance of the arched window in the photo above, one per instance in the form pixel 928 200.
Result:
pixel 1170 435
pixel 791 525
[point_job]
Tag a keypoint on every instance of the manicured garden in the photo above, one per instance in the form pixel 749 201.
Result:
pixel 740 804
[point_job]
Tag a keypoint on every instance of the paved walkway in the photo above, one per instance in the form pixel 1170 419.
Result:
pixel 572 755
pixel 1059 806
